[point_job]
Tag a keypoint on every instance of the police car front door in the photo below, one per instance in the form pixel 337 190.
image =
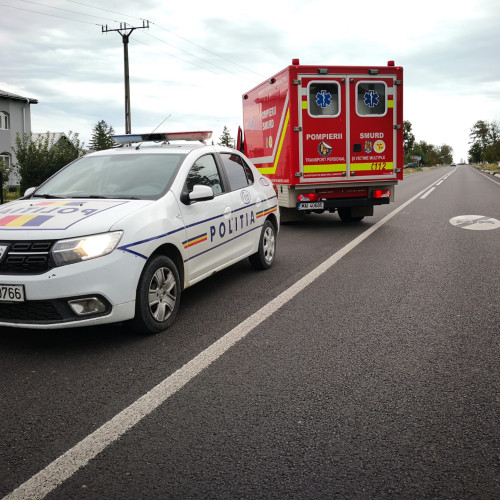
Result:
pixel 206 221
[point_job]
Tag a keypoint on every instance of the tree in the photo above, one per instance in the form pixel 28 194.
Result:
pixel 38 159
pixel 5 172
pixel 102 136
pixel 225 139
pixel 408 141
pixel 485 142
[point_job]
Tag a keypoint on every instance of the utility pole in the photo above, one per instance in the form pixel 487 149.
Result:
pixel 125 32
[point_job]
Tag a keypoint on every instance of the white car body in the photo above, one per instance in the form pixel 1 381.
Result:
pixel 201 237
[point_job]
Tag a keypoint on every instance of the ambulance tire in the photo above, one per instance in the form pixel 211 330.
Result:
pixel 345 215
pixel 264 257
pixel 158 296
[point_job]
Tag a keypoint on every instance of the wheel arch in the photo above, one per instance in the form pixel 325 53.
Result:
pixel 274 221
pixel 173 253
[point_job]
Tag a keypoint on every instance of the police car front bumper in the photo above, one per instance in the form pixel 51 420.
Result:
pixel 87 293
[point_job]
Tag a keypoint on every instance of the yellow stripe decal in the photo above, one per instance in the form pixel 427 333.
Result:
pixel 272 170
pixel 390 103
pixel 315 169
pixel 304 104
pixel 21 220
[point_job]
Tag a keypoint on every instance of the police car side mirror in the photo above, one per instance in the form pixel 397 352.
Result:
pixel 199 193
pixel 29 191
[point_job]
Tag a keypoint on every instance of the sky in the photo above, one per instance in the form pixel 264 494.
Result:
pixel 190 68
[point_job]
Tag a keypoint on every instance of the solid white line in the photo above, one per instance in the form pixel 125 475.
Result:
pixel 487 176
pixel 49 478
pixel 428 193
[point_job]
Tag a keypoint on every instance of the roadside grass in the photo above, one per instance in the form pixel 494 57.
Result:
pixel 488 167
pixel 10 195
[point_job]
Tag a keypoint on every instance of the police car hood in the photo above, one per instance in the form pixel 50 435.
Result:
pixel 63 218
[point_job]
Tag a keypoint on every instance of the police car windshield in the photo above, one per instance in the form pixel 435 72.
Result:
pixel 130 176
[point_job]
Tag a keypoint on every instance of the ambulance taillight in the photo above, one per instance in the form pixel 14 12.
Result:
pixel 381 193
pixel 308 197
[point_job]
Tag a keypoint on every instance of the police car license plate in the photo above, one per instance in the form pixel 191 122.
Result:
pixel 316 205
pixel 11 293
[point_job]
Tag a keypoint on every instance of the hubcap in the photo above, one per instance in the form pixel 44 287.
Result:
pixel 162 295
pixel 268 245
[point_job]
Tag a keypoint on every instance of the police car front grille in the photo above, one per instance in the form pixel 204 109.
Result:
pixel 30 312
pixel 26 257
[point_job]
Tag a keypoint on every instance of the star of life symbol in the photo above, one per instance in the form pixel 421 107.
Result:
pixel 323 99
pixel 371 98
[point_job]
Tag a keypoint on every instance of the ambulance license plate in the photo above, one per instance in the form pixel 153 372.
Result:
pixel 316 205
pixel 11 293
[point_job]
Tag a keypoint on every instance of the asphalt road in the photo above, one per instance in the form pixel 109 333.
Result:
pixel 375 375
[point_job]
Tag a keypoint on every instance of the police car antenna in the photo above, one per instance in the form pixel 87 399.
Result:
pixel 155 129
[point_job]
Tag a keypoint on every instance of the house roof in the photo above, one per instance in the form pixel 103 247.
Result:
pixel 15 97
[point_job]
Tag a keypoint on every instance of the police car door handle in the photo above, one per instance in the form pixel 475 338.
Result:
pixel 227 212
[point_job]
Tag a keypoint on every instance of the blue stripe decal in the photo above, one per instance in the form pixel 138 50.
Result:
pixel 127 248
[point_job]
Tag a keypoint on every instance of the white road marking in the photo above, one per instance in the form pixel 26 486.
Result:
pixel 475 222
pixel 61 469
pixel 428 193
pixel 487 176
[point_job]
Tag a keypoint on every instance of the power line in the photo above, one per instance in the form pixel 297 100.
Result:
pixel 177 57
pixel 50 15
pixel 106 10
pixel 203 48
pixel 174 34
pixel 65 10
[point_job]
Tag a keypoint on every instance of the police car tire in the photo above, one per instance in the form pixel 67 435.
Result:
pixel 160 274
pixel 264 257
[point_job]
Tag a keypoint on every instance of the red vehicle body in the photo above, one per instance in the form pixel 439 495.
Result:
pixel 329 137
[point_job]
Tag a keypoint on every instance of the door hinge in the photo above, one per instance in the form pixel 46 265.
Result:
pixel 398 127
pixel 298 174
pixel 296 82
pixel 297 129
pixel 398 82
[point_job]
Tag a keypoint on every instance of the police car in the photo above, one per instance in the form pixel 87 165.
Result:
pixel 118 234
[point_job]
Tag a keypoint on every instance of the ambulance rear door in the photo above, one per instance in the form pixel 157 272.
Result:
pixel 372 127
pixel 322 126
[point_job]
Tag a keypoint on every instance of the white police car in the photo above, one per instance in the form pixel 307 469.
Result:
pixel 118 234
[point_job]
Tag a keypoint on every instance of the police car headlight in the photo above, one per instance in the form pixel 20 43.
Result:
pixel 89 247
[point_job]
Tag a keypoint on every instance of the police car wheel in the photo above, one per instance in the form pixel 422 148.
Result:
pixel 158 296
pixel 264 257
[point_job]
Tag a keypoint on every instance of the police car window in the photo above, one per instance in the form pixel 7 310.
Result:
pixel 204 172
pixel 238 172
pixel 115 176
pixel 323 99
pixel 371 99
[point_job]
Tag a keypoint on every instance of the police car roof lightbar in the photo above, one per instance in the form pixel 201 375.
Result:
pixel 163 136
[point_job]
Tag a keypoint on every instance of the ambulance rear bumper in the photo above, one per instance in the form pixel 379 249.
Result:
pixel 332 204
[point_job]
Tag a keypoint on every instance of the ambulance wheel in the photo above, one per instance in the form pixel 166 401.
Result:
pixel 158 296
pixel 264 257
pixel 346 215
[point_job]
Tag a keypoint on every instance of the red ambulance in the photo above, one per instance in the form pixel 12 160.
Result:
pixel 329 137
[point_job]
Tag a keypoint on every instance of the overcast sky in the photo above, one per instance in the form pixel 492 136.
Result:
pixel 197 59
